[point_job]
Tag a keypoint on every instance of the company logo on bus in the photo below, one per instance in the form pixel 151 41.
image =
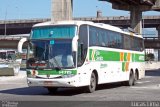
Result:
pixel 96 56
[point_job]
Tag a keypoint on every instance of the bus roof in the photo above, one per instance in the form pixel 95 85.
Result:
pixel 78 23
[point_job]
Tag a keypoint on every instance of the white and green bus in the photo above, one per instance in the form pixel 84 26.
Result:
pixel 83 54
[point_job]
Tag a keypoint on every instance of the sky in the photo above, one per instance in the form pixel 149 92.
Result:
pixel 32 9
pixel 28 9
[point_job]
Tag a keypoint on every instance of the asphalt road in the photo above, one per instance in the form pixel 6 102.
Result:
pixel 147 89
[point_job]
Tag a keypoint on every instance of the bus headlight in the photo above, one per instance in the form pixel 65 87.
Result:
pixel 32 73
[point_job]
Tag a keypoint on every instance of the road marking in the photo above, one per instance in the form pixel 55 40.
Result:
pixel 149 76
pixel 141 82
pixel 139 87
pixel 146 87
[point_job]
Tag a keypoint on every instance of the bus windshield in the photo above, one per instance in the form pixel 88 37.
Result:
pixel 52 54
pixel 52 47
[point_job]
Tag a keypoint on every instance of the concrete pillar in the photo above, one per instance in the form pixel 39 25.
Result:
pixel 136 19
pixel 61 10
pixel 99 14
pixel 157 5
pixel 158 29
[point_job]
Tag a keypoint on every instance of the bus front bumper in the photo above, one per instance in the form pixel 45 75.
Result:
pixel 67 82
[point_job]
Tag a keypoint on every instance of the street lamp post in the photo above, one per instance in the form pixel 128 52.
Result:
pixel 5 24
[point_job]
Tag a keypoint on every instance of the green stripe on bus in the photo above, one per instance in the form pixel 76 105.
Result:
pixel 101 55
pixel 54 72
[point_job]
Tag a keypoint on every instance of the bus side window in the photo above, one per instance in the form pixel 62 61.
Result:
pixel 127 45
pixel 119 41
pixel 106 35
pixel 139 44
pixel 112 39
pixel 101 38
pixel 97 38
pixel 83 44
pixel 93 37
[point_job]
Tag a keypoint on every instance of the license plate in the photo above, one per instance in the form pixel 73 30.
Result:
pixel 48 83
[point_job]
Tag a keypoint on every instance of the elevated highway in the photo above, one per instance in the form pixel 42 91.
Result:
pixel 11 42
pixel 14 27
pixel 24 26
pixel 152 42
pixel 145 5
pixel 136 7
pixel 124 21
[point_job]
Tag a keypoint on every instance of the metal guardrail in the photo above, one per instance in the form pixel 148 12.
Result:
pixel 13 37
pixel 24 21
pixel 78 18
pixel 115 18
pixel 152 38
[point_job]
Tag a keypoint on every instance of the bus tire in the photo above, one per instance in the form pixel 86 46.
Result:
pixel 52 90
pixel 93 83
pixel 135 77
pixel 131 80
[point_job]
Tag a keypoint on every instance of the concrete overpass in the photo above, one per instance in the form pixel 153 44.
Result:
pixel 146 5
pixel 62 9
pixel 136 7
pixel 14 27
pixel 11 42
pixel 152 42
pixel 24 26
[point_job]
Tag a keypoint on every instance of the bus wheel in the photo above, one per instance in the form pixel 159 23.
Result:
pixel 131 80
pixel 135 77
pixel 52 90
pixel 93 83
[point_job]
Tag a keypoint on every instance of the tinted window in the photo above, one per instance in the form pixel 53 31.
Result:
pixel 111 39
pixel 64 31
pixel 104 38
pixel 127 42
pixel 93 36
pixel 83 40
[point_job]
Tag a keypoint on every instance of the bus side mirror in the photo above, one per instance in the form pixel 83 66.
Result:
pixel 20 44
pixel 74 44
